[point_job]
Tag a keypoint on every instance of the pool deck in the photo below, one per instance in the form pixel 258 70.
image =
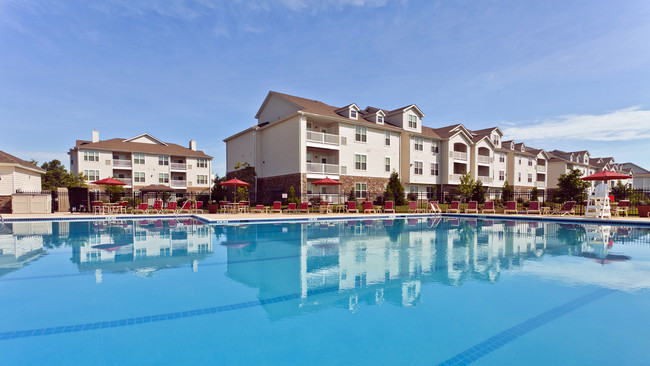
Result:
pixel 284 217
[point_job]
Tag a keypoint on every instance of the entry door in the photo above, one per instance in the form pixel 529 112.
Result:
pixel 323 160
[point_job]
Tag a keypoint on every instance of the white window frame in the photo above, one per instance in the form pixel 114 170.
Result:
pixel 502 175
pixel 91 155
pixel 387 139
pixel 413 121
pixel 361 134
pixel 530 178
pixel 361 162
pixel 418 167
pixel 519 177
pixel 138 177
pixel 138 159
pixel 380 119
pixel 418 144
pixel 163 177
pixel 201 179
pixel 387 164
pixel 201 163
pixel 502 158
pixel 91 177
pixel 353 113
pixel 530 161
pixel 163 160
pixel 435 169
pixel 361 190
pixel 434 147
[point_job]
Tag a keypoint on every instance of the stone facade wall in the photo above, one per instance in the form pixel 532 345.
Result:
pixel 5 204
pixel 376 186
pixel 271 188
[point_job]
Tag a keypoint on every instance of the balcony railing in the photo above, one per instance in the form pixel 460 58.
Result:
pixel 178 166
pixel 121 163
pixel 455 177
pixel 485 179
pixel 459 155
pixel 541 168
pixel 319 168
pixel 483 159
pixel 540 184
pixel 323 138
pixel 177 183
pixel 125 180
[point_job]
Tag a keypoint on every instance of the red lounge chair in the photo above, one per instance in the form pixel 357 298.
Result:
pixel 413 207
pixel 187 206
pixel 623 206
pixel 511 206
pixel 171 207
pixel 258 209
pixel 566 209
pixel 324 207
pixel 197 207
pixel 277 207
pixel 533 207
pixel 98 206
pixel 304 207
pixel 157 207
pixel 143 207
pixel 351 207
pixel 434 208
pixel 368 207
pixel 291 208
pixel 123 206
pixel 488 207
pixel 389 206
pixel 454 207
pixel 472 206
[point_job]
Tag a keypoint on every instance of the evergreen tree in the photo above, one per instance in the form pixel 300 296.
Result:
pixel 352 196
pixel 506 193
pixel 291 197
pixel 218 192
pixel 534 194
pixel 570 187
pixel 395 188
pixel 57 176
pixel 478 192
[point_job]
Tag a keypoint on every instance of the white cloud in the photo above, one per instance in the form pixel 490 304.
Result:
pixel 621 125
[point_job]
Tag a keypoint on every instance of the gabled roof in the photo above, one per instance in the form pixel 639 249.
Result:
pixel 448 132
pixel 637 168
pixel 537 152
pixel 120 144
pixel 403 109
pixel 147 136
pixel 487 131
pixel 8 159
pixel 428 131
pixel 348 107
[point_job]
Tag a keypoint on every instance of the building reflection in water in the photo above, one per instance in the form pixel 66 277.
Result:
pixel 356 261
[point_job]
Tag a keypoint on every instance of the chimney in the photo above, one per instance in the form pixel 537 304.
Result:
pixel 192 145
pixel 95 136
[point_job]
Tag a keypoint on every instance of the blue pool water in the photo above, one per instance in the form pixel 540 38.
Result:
pixel 368 292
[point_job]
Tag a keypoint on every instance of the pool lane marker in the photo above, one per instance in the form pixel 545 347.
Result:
pixel 501 339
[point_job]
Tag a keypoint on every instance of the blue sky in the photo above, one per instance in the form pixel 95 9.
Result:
pixel 570 75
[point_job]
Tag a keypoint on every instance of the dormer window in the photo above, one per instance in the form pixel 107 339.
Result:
pixel 413 121
pixel 512 146
pixel 523 148
pixel 380 119
pixel 353 114
pixel 496 140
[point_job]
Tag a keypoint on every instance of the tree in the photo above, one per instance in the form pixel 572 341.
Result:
pixel 506 192
pixel 620 191
pixel 352 196
pixel 466 186
pixel 395 190
pixel 534 194
pixel 570 187
pixel 218 192
pixel 291 197
pixel 57 176
pixel 115 192
pixel 241 194
pixel 478 192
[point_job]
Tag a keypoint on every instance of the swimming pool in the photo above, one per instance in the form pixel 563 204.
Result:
pixel 370 292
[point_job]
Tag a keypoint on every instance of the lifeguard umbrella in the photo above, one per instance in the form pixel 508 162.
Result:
pixel 234 183
pixel 606 175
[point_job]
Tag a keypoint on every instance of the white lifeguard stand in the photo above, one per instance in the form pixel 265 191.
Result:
pixel 598 204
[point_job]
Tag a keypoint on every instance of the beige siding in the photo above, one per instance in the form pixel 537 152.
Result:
pixel 280 149
pixel 6 181
pixel 275 109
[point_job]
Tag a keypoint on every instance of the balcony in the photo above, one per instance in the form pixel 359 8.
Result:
pixel 459 155
pixel 483 159
pixel 125 180
pixel 540 184
pixel 178 166
pixel 318 168
pixel 177 183
pixel 485 180
pixel 323 138
pixel 455 177
pixel 541 168
pixel 121 163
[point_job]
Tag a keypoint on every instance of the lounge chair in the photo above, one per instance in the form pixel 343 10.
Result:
pixel 277 207
pixel 157 207
pixel 187 206
pixel 454 207
pixel 98 206
pixel 566 209
pixel 368 207
pixel 623 206
pixel 533 207
pixel 351 207
pixel 123 206
pixel 472 206
pixel 258 209
pixel 197 207
pixel 304 207
pixel 511 206
pixel 143 207
pixel 291 208
pixel 434 208
pixel 389 206
pixel 488 206
pixel 413 207
pixel 324 207
pixel 171 207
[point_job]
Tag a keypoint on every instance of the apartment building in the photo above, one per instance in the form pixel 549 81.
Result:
pixel 523 167
pixel 561 162
pixel 141 161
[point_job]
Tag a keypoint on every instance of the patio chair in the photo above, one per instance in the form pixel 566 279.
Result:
pixel 291 208
pixel 389 206
pixel 434 208
pixel 413 207
pixel 351 207
pixel 187 206
pixel 258 209
pixel 197 207
pixel 511 206
pixel 368 207
pixel 566 209
pixel 324 207
pixel 623 206
pixel 454 207
pixel 143 207
pixel 157 207
pixel 277 207
pixel 472 206
pixel 488 206
pixel 123 206
pixel 533 207
pixel 98 206
pixel 304 207
pixel 171 207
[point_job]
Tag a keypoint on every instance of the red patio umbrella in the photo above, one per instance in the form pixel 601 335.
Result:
pixel 606 175
pixel 234 183
pixel 326 182
pixel 109 182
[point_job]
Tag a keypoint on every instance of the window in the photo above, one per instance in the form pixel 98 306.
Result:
pixel 138 158
pixel 519 177
pixel 530 161
pixel 380 119
pixel 163 178
pixel 387 142
pixel 413 121
pixel 417 168
pixel 92 175
pixel 360 162
pixel 308 126
pixel 361 190
pixel 418 143
pixel 91 155
pixel 530 178
pixel 434 147
pixel 502 175
pixel 434 169
pixel 353 113
pixel 520 160
pixel 201 179
pixel 502 158
pixel 163 160
pixel 387 163
pixel 495 139
pixel 202 163
pixel 360 135
pixel 138 177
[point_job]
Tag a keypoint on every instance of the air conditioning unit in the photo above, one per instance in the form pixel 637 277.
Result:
pixel 344 140
pixel 108 162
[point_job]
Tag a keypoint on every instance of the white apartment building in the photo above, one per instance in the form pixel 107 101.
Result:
pixel 141 161
pixel 525 167
pixel 562 162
